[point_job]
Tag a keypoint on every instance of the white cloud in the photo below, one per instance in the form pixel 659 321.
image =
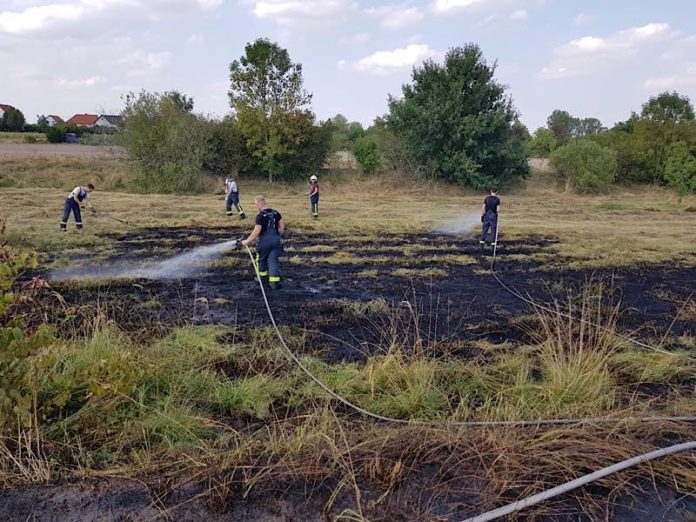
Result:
pixel 383 62
pixel 303 12
pixel 92 15
pixel 396 16
pixel 583 18
pixel 590 54
pixel 141 63
pixel 684 77
pixel 451 5
pixel 79 83
pixel 355 39
pixel 519 14
pixel 196 40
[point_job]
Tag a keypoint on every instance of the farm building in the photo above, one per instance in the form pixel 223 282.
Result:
pixel 84 120
pixel 52 120
pixel 4 108
pixel 109 121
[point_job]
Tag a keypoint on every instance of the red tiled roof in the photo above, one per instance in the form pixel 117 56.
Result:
pixel 57 118
pixel 84 119
pixel 6 107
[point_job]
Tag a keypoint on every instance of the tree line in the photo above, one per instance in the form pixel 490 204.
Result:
pixel 657 145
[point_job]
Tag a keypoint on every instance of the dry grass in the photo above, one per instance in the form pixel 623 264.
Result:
pixel 649 225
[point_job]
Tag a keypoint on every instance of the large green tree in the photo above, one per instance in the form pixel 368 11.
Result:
pixel 272 108
pixel 457 122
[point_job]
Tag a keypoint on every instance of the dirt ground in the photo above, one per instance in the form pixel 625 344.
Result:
pixel 56 150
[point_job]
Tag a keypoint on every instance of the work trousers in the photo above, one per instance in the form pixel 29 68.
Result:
pixel 490 227
pixel 233 200
pixel 314 205
pixel 269 249
pixel 71 205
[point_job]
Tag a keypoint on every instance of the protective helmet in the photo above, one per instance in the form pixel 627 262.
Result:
pixel 313 178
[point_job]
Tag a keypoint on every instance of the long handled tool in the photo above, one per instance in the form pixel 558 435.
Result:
pixel 101 213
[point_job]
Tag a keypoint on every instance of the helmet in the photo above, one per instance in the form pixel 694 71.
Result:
pixel 313 178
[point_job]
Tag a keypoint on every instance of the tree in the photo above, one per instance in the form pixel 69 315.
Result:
pixel 181 101
pixel 272 108
pixel 367 154
pixel 588 127
pixel 680 170
pixel 562 124
pixel 227 152
pixel 542 143
pixel 42 122
pixel 668 107
pixel 664 119
pixel 456 121
pixel 585 165
pixel 13 120
pixel 167 146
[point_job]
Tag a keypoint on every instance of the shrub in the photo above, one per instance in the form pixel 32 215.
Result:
pixel 55 134
pixel 585 165
pixel 367 155
pixel 680 170
pixel 168 144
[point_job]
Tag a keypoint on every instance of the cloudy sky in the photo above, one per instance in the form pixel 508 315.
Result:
pixel 590 57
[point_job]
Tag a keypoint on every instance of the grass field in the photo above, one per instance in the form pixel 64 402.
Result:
pixel 22 137
pixel 181 385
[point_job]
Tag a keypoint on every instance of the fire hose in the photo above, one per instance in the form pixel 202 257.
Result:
pixel 535 499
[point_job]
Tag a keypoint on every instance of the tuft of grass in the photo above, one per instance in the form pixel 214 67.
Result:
pixel 419 272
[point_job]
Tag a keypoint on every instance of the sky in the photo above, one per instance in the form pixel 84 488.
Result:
pixel 593 58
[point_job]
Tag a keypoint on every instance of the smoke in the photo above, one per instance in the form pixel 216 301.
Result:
pixel 464 225
pixel 177 267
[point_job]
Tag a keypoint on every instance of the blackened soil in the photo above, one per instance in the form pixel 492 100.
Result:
pixel 465 304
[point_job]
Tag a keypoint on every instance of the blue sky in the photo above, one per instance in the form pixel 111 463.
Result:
pixel 590 57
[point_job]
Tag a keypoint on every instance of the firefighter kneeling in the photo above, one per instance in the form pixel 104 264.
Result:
pixel 268 230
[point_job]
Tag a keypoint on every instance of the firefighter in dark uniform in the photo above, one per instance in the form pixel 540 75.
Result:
pixel 268 230
pixel 489 218
pixel 73 202
pixel 314 196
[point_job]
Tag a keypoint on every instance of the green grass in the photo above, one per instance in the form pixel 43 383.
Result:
pixel 22 137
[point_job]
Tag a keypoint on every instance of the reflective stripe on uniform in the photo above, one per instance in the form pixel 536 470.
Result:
pixel 263 274
pixel 274 279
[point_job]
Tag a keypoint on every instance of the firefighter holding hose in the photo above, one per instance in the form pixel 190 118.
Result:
pixel 489 218
pixel 268 230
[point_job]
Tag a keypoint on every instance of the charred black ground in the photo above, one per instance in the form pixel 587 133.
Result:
pixel 454 300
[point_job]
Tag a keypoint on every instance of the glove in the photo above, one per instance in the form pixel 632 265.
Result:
pixel 237 243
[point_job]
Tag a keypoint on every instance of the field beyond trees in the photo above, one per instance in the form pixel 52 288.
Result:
pixel 133 398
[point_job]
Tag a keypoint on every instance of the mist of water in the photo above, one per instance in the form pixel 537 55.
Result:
pixel 177 267
pixel 464 225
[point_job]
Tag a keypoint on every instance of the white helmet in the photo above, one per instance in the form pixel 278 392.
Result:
pixel 313 178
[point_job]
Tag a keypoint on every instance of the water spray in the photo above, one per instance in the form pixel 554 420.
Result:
pixel 177 267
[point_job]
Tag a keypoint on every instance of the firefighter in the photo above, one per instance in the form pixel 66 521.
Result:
pixel 489 218
pixel 314 196
pixel 268 230
pixel 73 203
pixel 232 193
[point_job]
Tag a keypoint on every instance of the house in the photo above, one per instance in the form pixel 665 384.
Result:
pixel 5 108
pixel 108 121
pixel 52 120
pixel 84 120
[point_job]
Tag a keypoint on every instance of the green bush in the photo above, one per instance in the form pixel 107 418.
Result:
pixel 585 165
pixel 167 144
pixel 55 134
pixel 367 155
pixel 680 169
